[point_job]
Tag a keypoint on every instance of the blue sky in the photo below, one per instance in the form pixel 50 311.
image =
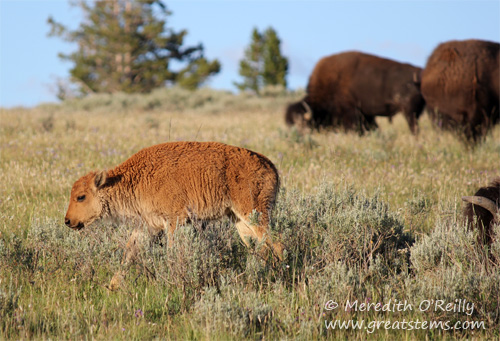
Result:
pixel 402 30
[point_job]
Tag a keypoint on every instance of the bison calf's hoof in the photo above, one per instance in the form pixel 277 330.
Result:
pixel 278 249
pixel 117 281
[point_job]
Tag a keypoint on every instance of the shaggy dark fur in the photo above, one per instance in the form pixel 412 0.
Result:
pixel 350 89
pixel 460 84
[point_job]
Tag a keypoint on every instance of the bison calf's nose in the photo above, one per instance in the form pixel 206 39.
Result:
pixel 67 221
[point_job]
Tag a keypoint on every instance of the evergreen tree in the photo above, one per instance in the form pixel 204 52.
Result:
pixel 263 63
pixel 124 45
pixel 251 67
pixel 275 65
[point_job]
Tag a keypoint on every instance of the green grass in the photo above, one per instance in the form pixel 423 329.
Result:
pixel 371 218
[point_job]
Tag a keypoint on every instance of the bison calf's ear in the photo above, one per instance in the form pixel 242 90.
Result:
pixel 100 179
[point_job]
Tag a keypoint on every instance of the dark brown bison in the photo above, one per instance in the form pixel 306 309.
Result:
pixel 483 210
pixel 460 84
pixel 350 89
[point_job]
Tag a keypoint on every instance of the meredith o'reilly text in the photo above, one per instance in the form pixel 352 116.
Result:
pixel 457 306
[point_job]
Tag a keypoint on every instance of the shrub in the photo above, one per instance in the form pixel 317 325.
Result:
pixel 449 265
pixel 339 225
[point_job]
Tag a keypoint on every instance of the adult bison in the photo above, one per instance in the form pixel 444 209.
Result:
pixel 460 84
pixel 350 89
pixel 484 206
pixel 169 184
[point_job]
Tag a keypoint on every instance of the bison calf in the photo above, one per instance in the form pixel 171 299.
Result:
pixel 167 184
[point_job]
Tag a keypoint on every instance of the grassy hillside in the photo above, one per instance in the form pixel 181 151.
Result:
pixel 375 218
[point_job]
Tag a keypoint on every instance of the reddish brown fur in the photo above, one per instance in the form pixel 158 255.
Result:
pixel 349 89
pixel 171 183
pixel 460 84
pixel 484 219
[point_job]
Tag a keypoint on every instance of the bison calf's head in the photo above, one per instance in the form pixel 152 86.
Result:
pixel 85 205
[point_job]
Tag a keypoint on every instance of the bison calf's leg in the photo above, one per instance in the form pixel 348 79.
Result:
pixel 252 224
pixel 246 230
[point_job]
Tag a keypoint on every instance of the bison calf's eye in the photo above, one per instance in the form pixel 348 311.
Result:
pixel 80 198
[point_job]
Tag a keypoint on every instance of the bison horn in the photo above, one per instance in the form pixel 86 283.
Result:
pixel 484 203
pixel 308 113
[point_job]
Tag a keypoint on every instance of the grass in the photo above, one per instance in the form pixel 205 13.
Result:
pixel 373 218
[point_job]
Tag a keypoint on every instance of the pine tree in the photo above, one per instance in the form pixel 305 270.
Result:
pixel 124 45
pixel 251 67
pixel 263 63
pixel 275 65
